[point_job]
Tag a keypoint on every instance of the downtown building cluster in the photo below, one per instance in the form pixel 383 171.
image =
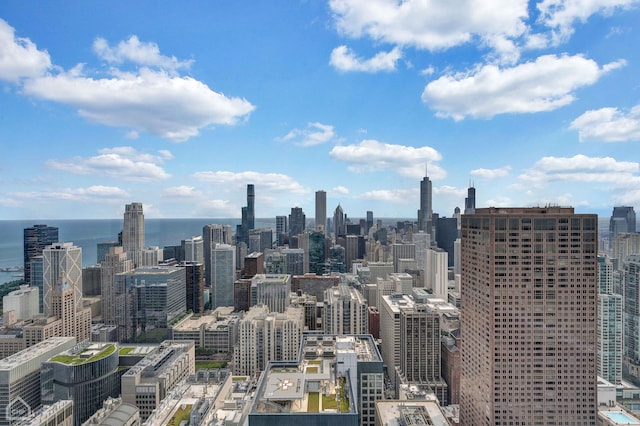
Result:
pixel 493 316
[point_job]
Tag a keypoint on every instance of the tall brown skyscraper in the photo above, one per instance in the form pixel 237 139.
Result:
pixel 528 317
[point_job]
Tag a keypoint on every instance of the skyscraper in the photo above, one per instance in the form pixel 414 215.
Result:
pixel 369 220
pixel 426 210
pixel 281 230
pixel 36 238
pixel 321 210
pixel 251 207
pixel 213 234
pixel 528 319
pixel 470 201
pixel 223 270
pixel 62 262
pixel 631 319
pixel 133 232
pixel 297 222
pixel 623 219
pixel 115 262
pixel 338 222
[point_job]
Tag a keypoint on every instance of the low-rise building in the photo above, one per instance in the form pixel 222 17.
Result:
pixel 87 374
pixel 150 380
pixel 20 378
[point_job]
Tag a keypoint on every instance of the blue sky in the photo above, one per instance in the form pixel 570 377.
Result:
pixel 179 105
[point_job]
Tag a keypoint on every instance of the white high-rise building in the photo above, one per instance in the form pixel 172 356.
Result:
pixel 422 240
pixel 272 291
pixel 223 271
pixel 152 256
pixel 194 249
pixel 23 301
pixel 133 232
pixel 437 271
pixel 265 336
pixel 610 330
pixel 345 311
pixel 62 261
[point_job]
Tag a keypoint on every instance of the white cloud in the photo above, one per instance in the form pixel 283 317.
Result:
pixel 450 191
pixel 580 168
pixel 395 196
pixel 19 57
pixel 543 85
pixel 344 59
pixel 168 106
pixel 182 191
pixel 608 125
pixel 561 15
pixel 314 134
pixel 97 193
pixel 340 190
pixel 268 181
pixel 372 155
pixel 141 53
pixel 491 173
pixel 431 24
pixel 124 163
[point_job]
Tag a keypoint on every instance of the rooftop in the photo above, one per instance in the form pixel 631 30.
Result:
pixel 91 353
pixel 292 388
pixel 414 413
pixel 35 351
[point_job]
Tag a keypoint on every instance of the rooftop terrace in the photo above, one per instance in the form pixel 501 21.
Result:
pixel 91 353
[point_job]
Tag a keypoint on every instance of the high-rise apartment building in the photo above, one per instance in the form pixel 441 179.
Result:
pixel 345 311
pixel 410 334
pixel 213 234
pixel 528 317
pixel 623 219
pixel 265 336
pixel 631 318
pixel 223 271
pixel 282 230
pixel 610 324
pixel 133 232
pixel 194 281
pixel 36 238
pixel 436 273
pixel 272 291
pixel 194 249
pixel 321 211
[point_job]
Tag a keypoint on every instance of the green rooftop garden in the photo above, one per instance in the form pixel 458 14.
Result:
pixel 180 416
pixel 78 359
pixel 126 351
pixel 314 402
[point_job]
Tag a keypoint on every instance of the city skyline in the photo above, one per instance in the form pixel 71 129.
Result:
pixel 179 109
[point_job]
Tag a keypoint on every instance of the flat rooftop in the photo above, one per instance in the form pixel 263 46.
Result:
pixel 35 351
pixel 308 388
pixel 91 353
pixel 414 413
